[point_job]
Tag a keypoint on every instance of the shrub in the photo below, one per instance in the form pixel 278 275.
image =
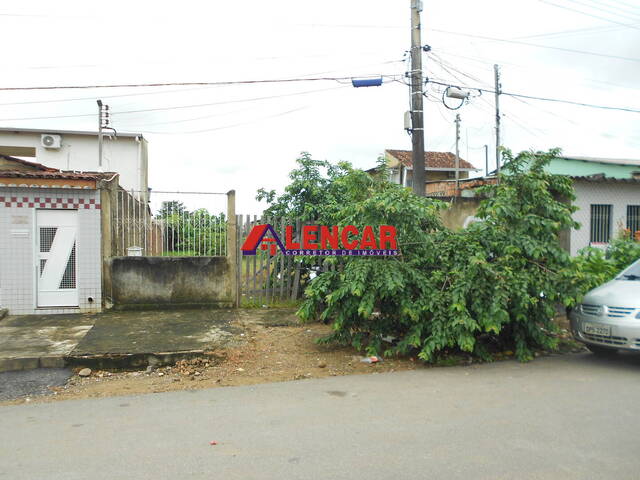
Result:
pixel 498 279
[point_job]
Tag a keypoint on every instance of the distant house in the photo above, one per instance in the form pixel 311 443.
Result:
pixel 607 196
pixel 438 166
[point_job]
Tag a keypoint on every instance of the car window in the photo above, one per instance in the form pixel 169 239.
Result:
pixel 631 273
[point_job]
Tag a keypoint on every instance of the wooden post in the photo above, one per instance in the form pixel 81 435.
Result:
pixel 232 248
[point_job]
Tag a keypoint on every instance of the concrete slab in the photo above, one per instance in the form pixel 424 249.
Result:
pixel 34 341
pixel 130 339
pixel 139 338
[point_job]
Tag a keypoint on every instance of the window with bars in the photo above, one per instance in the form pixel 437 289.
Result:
pixel 600 223
pixel 633 220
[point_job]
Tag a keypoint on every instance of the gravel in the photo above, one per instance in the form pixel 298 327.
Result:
pixel 25 383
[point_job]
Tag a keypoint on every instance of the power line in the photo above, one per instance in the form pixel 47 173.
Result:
pixel 531 97
pixel 229 126
pixel 537 45
pixel 608 11
pixel 587 14
pixel 578 31
pixel 177 107
pixel 187 84
pixel 610 8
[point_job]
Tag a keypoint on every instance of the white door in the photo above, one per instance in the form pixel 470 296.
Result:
pixel 56 257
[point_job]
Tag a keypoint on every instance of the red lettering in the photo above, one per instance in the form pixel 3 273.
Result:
pixel 345 237
pixel 388 236
pixel 288 239
pixel 328 237
pixel 368 239
pixel 309 233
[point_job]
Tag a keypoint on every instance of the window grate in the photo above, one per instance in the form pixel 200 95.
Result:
pixel 600 223
pixel 633 219
pixel 69 278
pixel 47 235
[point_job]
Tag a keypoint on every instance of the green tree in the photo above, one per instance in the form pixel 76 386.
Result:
pixel 496 281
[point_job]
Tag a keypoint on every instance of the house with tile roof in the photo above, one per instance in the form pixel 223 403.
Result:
pixel 51 237
pixel 438 166
pixel 607 196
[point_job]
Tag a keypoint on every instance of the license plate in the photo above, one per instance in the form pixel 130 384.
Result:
pixel 596 329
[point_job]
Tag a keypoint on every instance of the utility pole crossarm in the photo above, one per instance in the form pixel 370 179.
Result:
pixel 417 114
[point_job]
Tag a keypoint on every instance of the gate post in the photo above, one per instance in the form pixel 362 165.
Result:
pixel 232 248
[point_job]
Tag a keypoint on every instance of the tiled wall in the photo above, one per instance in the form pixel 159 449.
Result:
pixel 17 251
pixel 619 195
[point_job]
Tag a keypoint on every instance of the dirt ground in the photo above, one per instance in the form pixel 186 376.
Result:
pixel 265 353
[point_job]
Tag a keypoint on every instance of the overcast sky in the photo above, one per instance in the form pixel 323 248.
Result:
pixel 241 140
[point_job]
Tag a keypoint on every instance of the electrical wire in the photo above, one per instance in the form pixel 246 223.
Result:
pixel 537 45
pixel 531 97
pixel 587 14
pixel 578 31
pixel 178 107
pixel 170 84
pixel 607 8
pixel 224 127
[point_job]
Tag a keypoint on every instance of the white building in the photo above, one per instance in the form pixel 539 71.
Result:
pixel 77 151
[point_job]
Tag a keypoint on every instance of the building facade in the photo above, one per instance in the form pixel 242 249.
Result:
pixel 77 151
pixel 51 238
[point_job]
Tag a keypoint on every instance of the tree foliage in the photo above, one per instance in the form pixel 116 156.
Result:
pixel 195 232
pixel 496 281
pixel 594 266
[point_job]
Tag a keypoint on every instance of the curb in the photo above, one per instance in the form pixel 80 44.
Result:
pixel 125 361
pixel 30 363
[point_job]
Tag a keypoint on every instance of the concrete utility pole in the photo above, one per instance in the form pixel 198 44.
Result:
pixel 496 70
pixel 486 160
pixel 100 135
pixel 457 152
pixel 103 123
pixel 417 117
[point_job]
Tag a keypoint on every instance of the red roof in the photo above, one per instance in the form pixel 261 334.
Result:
pixel 441 160
pixel 42 171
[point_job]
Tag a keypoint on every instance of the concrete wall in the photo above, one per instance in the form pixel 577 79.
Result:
pixel 460 212
pixel 124 155
pixel 152 282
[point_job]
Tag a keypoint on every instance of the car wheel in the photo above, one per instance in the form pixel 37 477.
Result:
pixel 602 351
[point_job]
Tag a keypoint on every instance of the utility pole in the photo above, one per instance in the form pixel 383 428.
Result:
pixel 496 70
pixel 457 152
pixel 486 160
pixel 100 135
pixel 417 117
pixel 103 123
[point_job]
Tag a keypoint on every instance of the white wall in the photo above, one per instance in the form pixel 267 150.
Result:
pixel 619 195
pixel 124 155
pixel 17 248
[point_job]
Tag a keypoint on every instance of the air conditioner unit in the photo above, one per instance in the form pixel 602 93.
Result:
pixel 50 141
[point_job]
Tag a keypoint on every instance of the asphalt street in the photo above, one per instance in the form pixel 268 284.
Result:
pixel 28 383
pixel 562 417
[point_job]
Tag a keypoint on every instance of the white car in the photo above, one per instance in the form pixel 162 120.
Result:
pixel 608 319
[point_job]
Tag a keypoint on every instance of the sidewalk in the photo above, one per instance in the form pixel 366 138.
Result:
pixel 113 339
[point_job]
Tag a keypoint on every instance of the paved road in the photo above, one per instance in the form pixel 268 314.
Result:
pixel 569 417
pixel 28 383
